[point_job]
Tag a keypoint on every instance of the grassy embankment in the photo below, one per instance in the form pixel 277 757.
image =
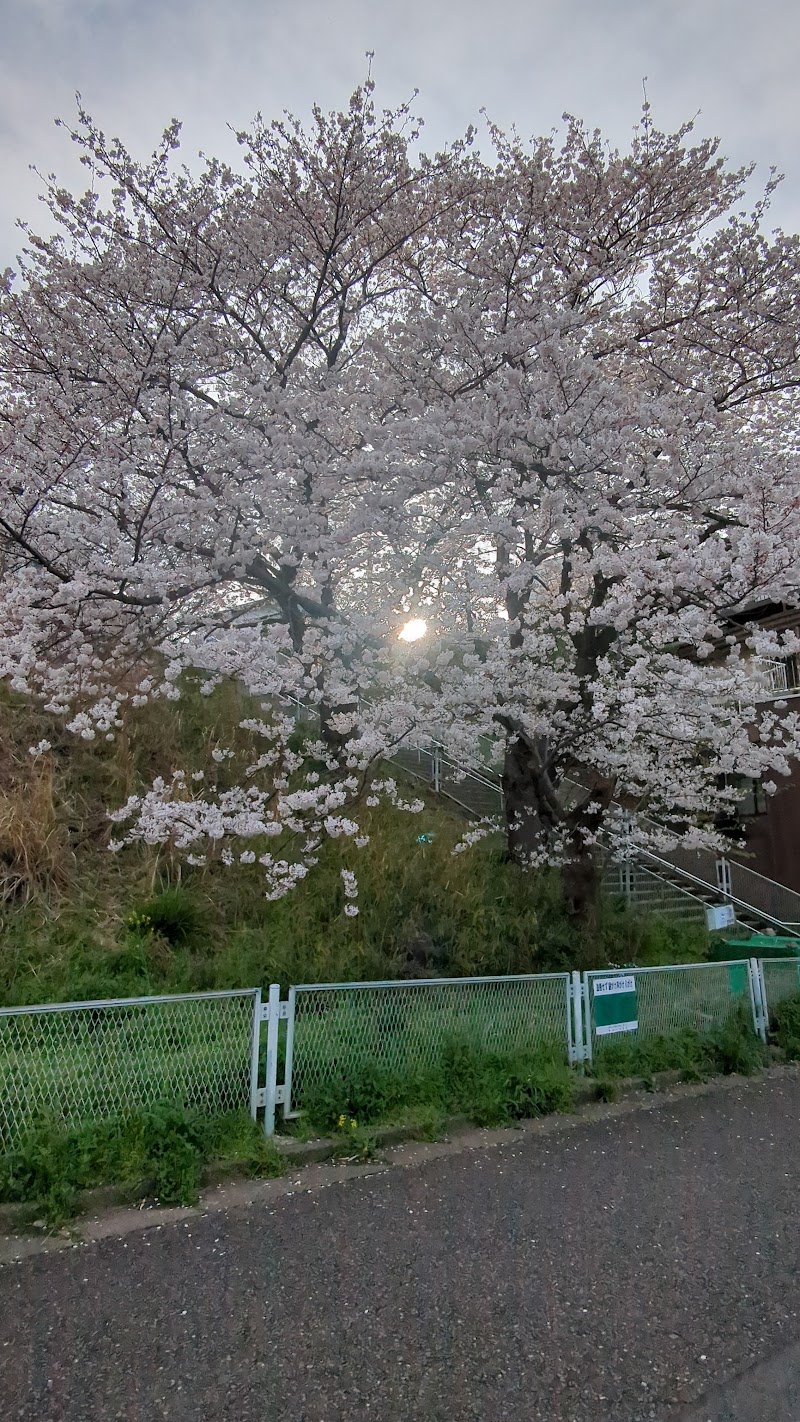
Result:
pixel 79 922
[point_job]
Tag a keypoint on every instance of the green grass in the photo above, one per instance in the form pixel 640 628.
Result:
pixel 80 1065
pixel 403 1027
pixel 162 1152
pixel 730 1047
pixel 490 1088
pixel 786 1028
pixel 77 922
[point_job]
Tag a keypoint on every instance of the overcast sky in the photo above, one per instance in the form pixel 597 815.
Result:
pixel 138 63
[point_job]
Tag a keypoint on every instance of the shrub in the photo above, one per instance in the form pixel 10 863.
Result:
pixel 787 1027
pixel 491 1088
pixel 736 1048
pixel 162 1151
pixel 732 1047
pixel 172 914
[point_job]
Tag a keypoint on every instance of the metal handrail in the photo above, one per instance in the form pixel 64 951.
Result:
pixel 729 898
pixel 96 1003
pixel 487 781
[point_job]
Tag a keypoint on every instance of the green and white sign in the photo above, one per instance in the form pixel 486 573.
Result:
pixel 615 1007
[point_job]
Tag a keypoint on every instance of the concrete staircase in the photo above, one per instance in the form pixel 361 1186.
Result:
pixel 681 884
pixel 649 883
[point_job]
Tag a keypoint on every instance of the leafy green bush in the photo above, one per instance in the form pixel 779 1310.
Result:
pixel 162 1151
pixel 787 1027
pixel 173 914
pixel 491 1088
pixel 732 1047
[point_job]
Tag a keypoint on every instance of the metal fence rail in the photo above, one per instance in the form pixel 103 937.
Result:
pixel 479 792
pixel 78 1062
pixel 667 1000
pixel 648 893
pixel 765 894
pixel 781 979
pixel 405 1027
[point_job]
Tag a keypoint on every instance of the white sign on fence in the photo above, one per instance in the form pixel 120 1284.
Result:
pixel 720 916
pixel 615 1007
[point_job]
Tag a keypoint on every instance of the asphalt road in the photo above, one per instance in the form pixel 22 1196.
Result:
pixel 614 1272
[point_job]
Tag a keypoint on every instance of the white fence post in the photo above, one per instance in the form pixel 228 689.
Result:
pixel 286 1091
pixel 758 998
pixel 724 877
pixel 272 1013
pixel 587 1018
pixel 579 1046
pixel 254 1054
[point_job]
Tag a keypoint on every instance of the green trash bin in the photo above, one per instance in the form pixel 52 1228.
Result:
pixel 758 945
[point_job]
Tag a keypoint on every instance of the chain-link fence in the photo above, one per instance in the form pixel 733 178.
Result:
pixel 81 1062
pixel 405 1028
pixel 781 979
pixel 658 1002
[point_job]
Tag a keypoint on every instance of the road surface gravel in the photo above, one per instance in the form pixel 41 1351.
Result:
pixel 616 1271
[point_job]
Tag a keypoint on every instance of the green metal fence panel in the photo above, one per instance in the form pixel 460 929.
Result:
pixel 781 979
pixel 636 1003
pixel 405 1027
pixel 87 1061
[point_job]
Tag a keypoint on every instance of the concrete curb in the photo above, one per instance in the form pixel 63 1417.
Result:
pixel 297 1153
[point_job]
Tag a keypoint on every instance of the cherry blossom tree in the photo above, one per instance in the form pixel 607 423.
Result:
pixel 547 401
pixel 602 389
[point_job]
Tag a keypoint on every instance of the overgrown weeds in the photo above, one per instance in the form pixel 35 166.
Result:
pixel 733 1047
pixel 162 1153
pixel 78 922
pixel 786 1028
pixel 491 1088
pixel 173 915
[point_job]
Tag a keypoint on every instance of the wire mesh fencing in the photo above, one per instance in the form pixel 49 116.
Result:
pixel 405 1028
pixel 660 1002
pixel 781 980
pixel 78 1062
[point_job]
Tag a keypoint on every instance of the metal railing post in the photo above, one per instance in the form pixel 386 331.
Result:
pixel 764 998
pixel 254 1053
pixel 627 886
pixel 724 877
pixel 289 1055
pixel 579 1045
pixel 587 1019
pixel 272 1012
pixel 758 998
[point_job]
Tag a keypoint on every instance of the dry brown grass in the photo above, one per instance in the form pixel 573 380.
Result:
pixel 36 857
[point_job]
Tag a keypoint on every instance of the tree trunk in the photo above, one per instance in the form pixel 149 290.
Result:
pixel 336 741
pixel 536 815
pixel 580 885
pixel 523 809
